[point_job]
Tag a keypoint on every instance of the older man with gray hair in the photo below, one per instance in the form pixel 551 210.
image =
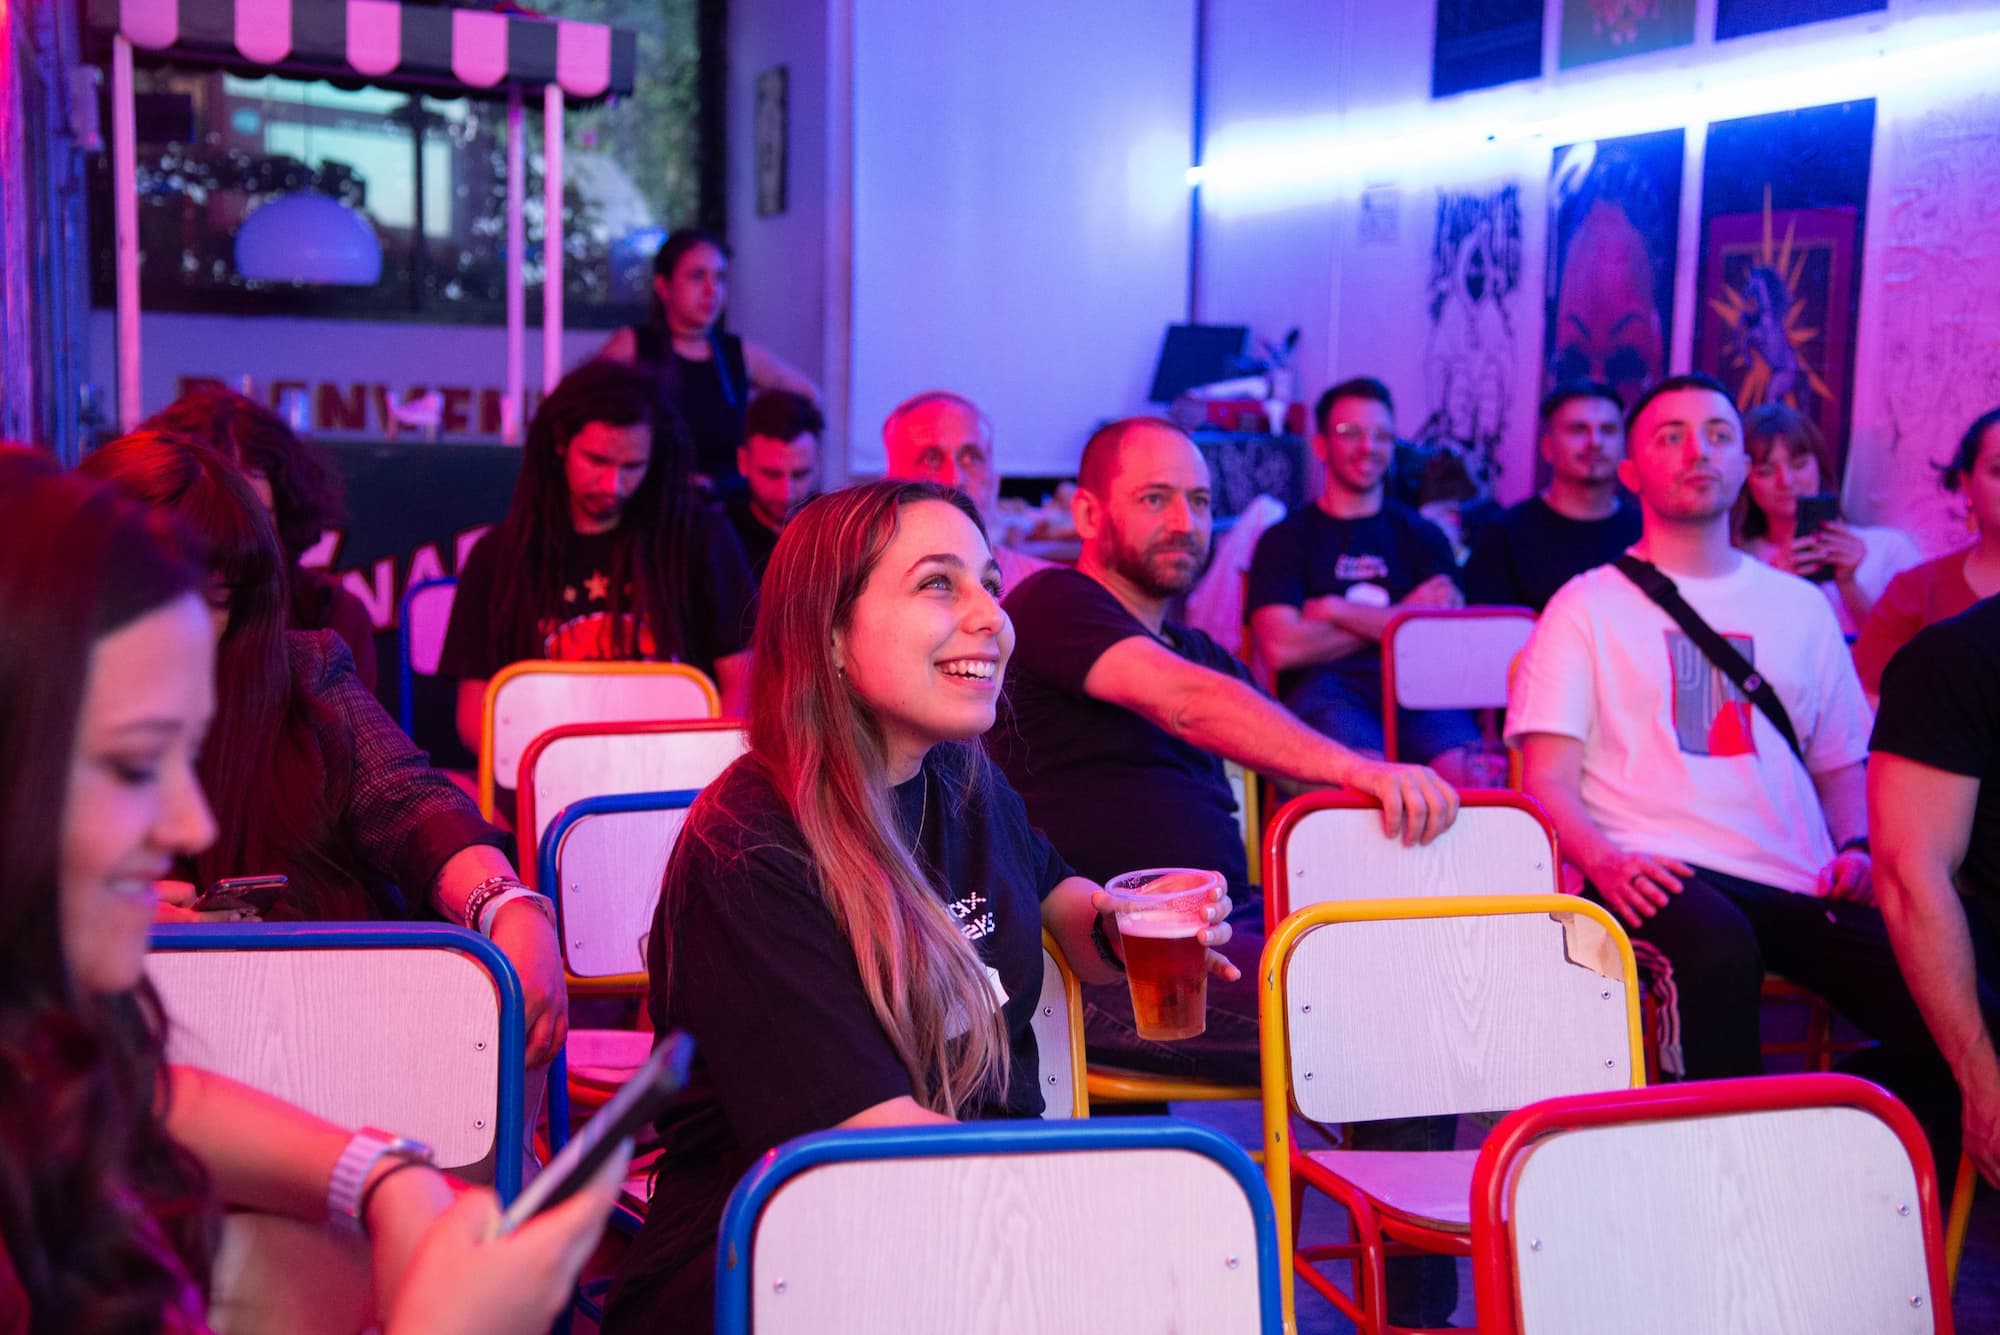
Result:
pixel 938 436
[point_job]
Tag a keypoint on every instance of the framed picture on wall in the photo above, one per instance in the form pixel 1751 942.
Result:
pixel 1782 214
pixel 773 116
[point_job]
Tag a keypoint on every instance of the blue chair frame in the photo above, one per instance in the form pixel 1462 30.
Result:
pixel 507 1133
pixel 772 1171
pixel 546 869
pixel 406 677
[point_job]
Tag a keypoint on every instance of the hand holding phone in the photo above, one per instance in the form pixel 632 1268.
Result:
pixel 1815 513
pixel 638 1103
pixel 254 894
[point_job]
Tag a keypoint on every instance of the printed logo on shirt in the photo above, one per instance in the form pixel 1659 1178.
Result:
pixel 966 912
pixel 1711 717
pixel 1360 565
pixel 592 638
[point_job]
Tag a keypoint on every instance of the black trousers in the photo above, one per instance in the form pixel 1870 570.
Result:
pixel 1711 946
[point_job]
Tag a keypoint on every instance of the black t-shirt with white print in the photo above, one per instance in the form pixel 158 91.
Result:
pixel 765 982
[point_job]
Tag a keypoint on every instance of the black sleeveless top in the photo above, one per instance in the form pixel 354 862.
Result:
pixel 711 395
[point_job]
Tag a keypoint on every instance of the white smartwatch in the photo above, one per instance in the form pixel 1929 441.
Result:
pixel 351 1169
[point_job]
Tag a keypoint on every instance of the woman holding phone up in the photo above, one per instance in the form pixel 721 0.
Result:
pixel 1789 463
pixel 850 925
pixel 113 1167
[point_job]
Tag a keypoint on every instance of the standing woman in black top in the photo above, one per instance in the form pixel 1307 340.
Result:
pixel 851 921
pixel 707 374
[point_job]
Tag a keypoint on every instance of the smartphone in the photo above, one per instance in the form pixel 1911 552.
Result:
pixel 635 1106
pixel 1815 513
pixel 256 893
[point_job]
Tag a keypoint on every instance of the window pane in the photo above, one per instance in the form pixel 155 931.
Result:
pixel 215 147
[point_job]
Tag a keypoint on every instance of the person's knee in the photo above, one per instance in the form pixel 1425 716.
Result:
pixel 1723 962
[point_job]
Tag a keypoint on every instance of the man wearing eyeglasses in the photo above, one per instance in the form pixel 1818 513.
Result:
pixel 1327 578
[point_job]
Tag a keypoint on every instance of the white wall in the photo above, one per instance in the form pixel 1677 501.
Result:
pixel 787 275
pixel 1283 245
pixel 1020 212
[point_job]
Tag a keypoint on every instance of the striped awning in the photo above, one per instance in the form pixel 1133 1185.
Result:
pixel 413 47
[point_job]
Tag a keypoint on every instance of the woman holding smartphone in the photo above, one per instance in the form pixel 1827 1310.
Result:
pixel 850 925
pixel 113 1167
pixel 1791 470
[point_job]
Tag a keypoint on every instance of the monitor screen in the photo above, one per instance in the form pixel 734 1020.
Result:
pixel 1197 354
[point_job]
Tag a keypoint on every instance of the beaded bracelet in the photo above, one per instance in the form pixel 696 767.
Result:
pixel 485 891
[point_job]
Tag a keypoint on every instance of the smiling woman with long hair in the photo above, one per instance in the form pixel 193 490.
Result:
pixel 113 1167
pixel 850 924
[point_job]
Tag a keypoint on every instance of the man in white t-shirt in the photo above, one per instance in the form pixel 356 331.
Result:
pixel 1682 803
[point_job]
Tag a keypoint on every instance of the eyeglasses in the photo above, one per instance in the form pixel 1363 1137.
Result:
pixel 1349 434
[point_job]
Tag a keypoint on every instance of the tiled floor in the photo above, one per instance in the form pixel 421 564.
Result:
pixel 1976 1305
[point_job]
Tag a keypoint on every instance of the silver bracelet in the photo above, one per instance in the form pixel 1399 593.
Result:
pixel 491 912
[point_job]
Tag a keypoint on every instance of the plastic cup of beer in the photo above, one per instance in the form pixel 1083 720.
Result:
pixel 1161 913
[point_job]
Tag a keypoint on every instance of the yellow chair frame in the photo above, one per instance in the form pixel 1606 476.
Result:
pixel 1288 1170
pixel 1073 997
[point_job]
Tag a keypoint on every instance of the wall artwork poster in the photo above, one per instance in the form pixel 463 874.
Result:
pixel 1783 203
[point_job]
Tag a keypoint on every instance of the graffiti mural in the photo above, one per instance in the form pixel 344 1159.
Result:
pixel 1472 343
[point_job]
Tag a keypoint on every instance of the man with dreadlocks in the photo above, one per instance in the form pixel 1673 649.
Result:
pixel 605 553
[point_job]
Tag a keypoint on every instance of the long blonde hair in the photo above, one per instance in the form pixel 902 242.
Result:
pixel 819 741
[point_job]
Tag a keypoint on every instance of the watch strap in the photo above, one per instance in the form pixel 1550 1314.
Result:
pixel 356 1161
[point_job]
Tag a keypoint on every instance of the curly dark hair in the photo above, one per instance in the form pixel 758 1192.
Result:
pixel 306 494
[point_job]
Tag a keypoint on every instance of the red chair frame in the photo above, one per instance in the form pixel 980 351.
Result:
pixel 1277 874
pixel 1389 706
pixel 524 796
pixel 1492 1250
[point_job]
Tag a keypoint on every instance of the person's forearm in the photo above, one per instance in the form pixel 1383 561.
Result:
pixel 1583 844
pixel 1240 723
pixel 1856 600
pixel 1364 623
pixel 1068 916
pixel 1843 796
pixel 264 1154
pixel 465 870
pixel 1302 642
pixel 1927 928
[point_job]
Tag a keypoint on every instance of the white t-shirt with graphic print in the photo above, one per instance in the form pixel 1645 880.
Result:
pixel 1676 761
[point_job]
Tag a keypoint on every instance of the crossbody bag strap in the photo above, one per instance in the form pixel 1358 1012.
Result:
pixel 1655 585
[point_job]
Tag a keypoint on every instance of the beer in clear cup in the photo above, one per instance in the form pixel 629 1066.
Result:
pixel 1161 913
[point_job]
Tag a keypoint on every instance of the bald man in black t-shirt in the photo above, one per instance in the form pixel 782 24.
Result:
pixel 1114 727
pixel 1116 721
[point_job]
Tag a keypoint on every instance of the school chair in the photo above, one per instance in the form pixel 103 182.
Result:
pixel 1778 1203
pixel 420 630
pixel 412 1027
pixel 1065 1228
pixel 526 699
pixel 1406 1008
